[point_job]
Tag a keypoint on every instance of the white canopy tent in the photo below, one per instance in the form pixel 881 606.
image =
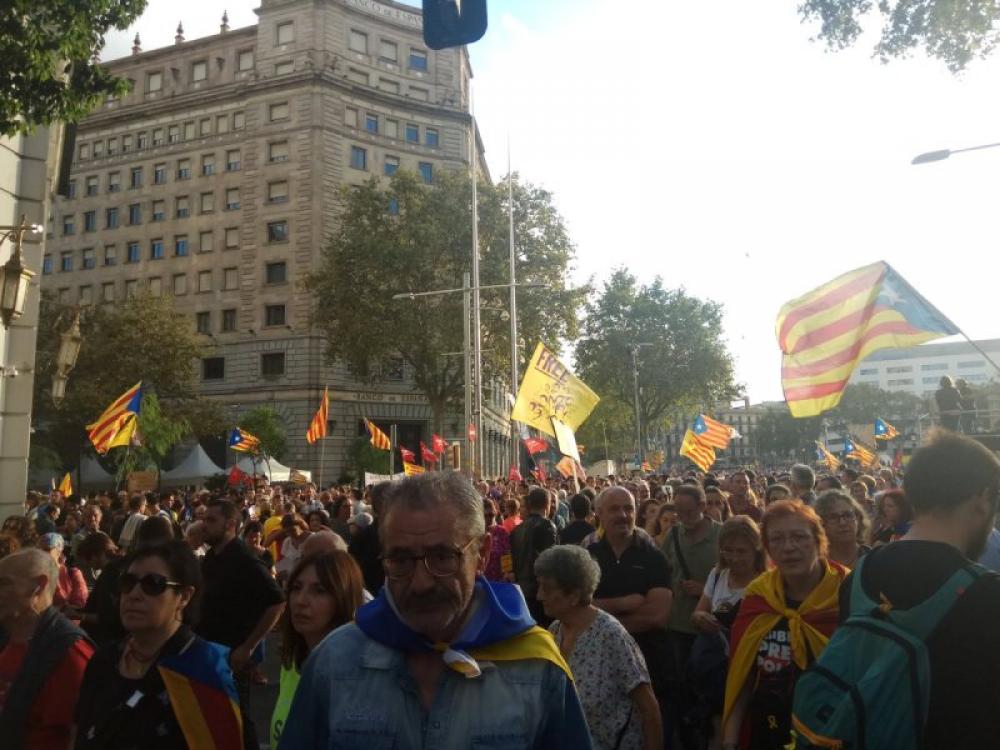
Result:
pixel 274 470
pixel 194 469
pixel 93 476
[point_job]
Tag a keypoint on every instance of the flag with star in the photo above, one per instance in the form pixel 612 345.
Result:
pixel 884 430
pixel 826 332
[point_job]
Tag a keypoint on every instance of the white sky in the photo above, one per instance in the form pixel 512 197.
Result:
pixel 715 145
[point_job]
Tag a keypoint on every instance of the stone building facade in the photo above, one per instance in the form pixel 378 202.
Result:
pixel 215 180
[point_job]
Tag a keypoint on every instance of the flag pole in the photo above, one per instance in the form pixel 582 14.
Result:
pixel 322 460
pixel 392 449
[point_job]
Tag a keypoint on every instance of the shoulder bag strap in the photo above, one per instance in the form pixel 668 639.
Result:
pixel 675 537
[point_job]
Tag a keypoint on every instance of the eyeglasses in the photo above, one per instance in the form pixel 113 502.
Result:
pixel 439 562
pixel 797 539
pixel 152 584
pixel 845 516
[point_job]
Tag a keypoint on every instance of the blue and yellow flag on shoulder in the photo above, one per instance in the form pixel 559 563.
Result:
pixel 203 695
pixel 242 441
pixel 120 417
pixel 884 430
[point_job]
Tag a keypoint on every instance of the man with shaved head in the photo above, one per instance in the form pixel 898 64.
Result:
pixel 42 655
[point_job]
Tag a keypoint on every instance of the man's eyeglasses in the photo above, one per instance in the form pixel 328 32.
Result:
pixel 845 516
pixel 152 584
pixel 439 562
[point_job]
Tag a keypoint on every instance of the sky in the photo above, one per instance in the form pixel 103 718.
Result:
pixel 716 146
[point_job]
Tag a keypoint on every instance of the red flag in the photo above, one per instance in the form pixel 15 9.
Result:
pixel 540 475
pixel 438 443
pixel 536 445
pixel 237 477
pixel 408 456
pixel 897 460
pixel 514 475
pixel 427 454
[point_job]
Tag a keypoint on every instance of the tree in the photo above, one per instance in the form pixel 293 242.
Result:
pixel 158 434
pixel 780 436
pixel 140 339
pixel 408 236
pixel 954 32
pixel 685 364
pixel 863 402
pixel 264 423
pixel 362 456
pixel 46 48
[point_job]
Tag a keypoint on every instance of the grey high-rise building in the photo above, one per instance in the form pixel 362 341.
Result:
pixel 216 180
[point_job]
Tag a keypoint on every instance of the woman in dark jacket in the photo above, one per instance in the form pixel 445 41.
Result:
pixel 949 403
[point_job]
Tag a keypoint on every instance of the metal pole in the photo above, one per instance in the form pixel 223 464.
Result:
pixel 392 449
pixel 635 385
pixel 515 452
pixel 477 417
pixel 467 356
pixel 322 460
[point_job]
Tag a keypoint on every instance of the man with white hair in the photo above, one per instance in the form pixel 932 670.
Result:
pixel 42 655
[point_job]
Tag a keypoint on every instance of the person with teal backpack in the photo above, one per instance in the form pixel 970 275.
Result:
pixel 915 661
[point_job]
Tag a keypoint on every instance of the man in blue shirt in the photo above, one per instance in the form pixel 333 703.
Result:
pixel 441 658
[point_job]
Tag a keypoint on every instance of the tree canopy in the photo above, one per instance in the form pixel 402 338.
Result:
pixel 407 236
pixel 953 32
pixel 47 47
pixel 264 423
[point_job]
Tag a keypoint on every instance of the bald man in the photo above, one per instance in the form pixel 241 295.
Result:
pixel 42 655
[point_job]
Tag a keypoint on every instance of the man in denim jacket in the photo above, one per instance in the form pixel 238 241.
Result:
pixel 441 658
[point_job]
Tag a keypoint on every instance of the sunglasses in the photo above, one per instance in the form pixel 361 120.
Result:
pixel 152 584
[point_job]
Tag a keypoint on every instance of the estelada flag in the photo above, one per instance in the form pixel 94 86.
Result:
pixel 884 430
pixel 701 454
pixel 427 454
pixel 711 432
pixel 203 695
pixel 411 470
pixel 549 390
pixel 104 431
pixel 438 444
pixel 826 332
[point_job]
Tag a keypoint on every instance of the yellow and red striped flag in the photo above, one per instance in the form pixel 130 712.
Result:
pixel 105 429
pixel 711 432
pixel 317 428
pixel 378 438
pixel 701 454
pixel 825 333
pixel 411 470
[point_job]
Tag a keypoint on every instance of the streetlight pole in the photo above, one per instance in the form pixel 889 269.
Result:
pixel 467 357
pixel 514 442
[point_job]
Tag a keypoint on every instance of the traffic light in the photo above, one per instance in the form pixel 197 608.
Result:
pixel 452 23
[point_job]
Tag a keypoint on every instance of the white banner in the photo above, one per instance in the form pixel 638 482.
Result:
pixel 371 479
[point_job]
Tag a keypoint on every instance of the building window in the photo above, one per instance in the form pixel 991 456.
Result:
pixel 159 210
pixel 388 51
pixel 181 245
pixel 64 296
pixel 394 369
pixel 86 294
pixel 207 203
pixel 392 128
pixel 135 177
pixel 112 146
pixel 183 169
pixel 208 164
pixel 421 95
pixel 126 143
pixel 90 221
pixel 971 365
pixel 272 364
pixel 232 199
pixel 222 124
pixel 199 71
pixel 68 225
pixel 157 136
pixel 111 218
pixel 66 261
pixel 180 284
pixel 278 111
pixel 114 182
pixel 431 137
pixel 391 165
pixel 233 160
pixel 183 207
pixel 276 273
pixel 371 123
pixel 155 287
pixel 88 259
pixel 274 315
pixel 204 281
pixel 359 158
pixel 351 117
pixel 203 322
pixel 156 250
pixel 388 85
pixel 897 370
pixel 277 231
pixel 244 59
pixel 205 126
pixel 937 367
pixel 232 238
pixel 131 288
pixel 91 186
pixel 900 382
pixel 357 76
pixel 412 133
pixel 213 368
pixel 229 320
pixel 108 291
pixel 239 120
pixel 930 380
pixel 154 82
pixel 206 242
pixel 189 131
pixel 142 141
pixel 394 206
pixel 47 264
pixel 159 174
pixel 426 171
pixel 71 189
pixel 277 192
pixel 277 151
pixel 98 149
pixel 83 151
pixel 110 255
pixel 134 213
pixel 174 134
pixel 358 42
pixel 230 279
pixel 284 68
pixel 418 59
pixel 284 33
pixel 868 371
pixel 132 253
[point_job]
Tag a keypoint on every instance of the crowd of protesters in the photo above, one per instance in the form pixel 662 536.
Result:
pixel 681 609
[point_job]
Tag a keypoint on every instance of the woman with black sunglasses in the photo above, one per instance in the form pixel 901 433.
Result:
pixel 133 688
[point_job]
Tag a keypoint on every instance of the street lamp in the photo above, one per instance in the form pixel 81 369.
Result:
pixel 14 275
pixel 69 350
pixel 944 153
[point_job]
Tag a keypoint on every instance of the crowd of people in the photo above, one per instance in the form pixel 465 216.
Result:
pixel 682 610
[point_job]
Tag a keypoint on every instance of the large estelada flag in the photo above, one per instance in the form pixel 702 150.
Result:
pixel 825 333
pixel 701 454
pixel 711 432
pixel 317 428
pixel 884 430
pixel 104 433
pixel 203 695
pixel 549 389
pixel 243 442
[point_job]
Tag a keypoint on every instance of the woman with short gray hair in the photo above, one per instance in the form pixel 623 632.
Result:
pixel 608 669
